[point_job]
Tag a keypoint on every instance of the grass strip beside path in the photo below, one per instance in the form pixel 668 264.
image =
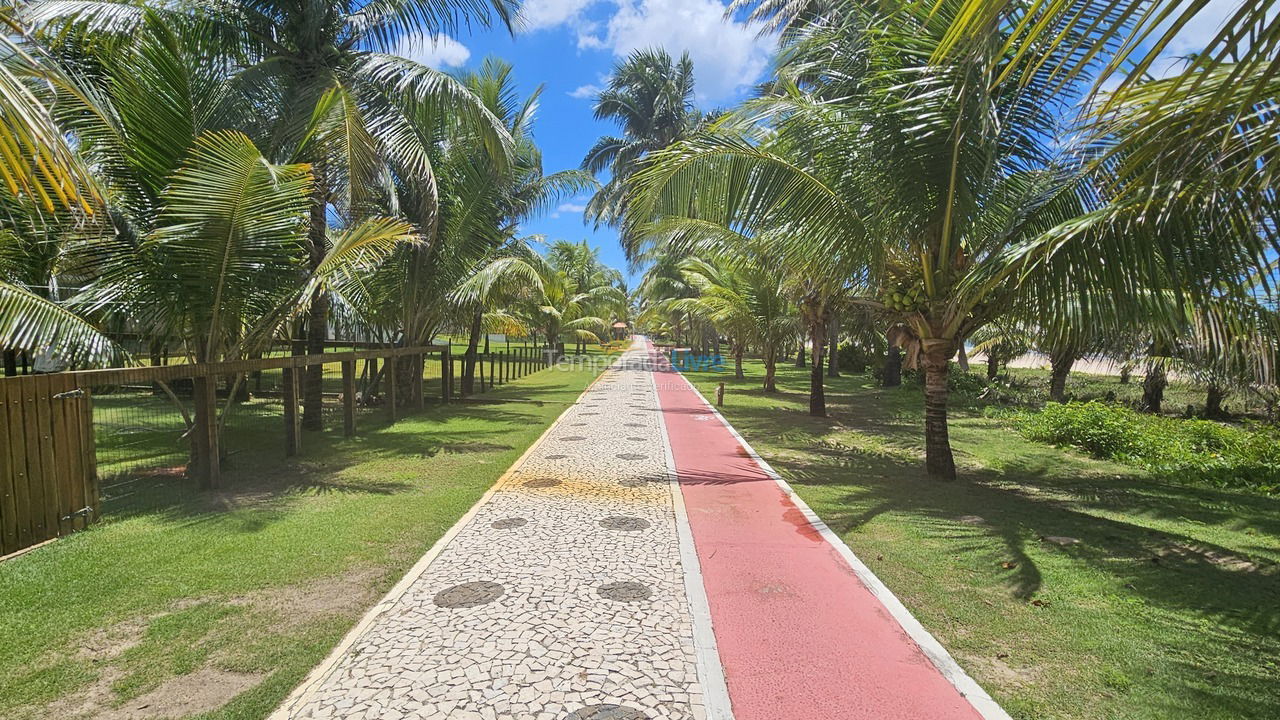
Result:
pixel 182 601
pixel 1068 587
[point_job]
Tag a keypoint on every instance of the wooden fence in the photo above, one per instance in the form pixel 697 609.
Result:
pixel 49 484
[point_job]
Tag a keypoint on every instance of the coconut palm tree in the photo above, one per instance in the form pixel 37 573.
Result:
pixel 581 262
pixel 548 298
pixel 999 342
pixel 745 313
pixel 340 101
pixel 939 176
pixel 650 96
pixel 475 223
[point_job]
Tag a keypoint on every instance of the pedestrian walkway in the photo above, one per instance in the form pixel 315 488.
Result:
pixel 638 563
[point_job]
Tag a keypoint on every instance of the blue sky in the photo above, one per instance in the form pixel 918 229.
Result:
pixel 570 46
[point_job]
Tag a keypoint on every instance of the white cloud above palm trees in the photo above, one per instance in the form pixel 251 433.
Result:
pixel 437 51
pixel 728 55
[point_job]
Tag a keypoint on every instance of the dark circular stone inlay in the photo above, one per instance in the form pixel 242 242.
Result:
pixel 625 591
pixel 468 595
pixel 606 712
pixel 624 522
pixel 509 523
pixel 542 482
pixel 632 456
pixel 574 438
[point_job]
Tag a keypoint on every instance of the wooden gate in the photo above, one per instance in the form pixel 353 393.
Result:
pixel 48 483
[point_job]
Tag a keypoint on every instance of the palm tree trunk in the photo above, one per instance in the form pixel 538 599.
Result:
pixel 800 355
pixel 469 359
pixel 993 366
pixel 738 351
pixel 1214 396
pixel 891 376
pixel 817 393
pixel 939 462
pixel 770 370
pixel 1125 371
pixel 833 347
pixel 1153 387
pixel 318 312
pixel 1059 368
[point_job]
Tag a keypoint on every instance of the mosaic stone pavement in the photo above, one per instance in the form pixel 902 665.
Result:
pixel 561 596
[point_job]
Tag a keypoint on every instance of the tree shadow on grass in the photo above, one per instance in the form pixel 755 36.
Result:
pixel 258 476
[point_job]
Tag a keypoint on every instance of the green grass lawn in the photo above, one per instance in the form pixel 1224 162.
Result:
pixel 225 600
pixel 1168 606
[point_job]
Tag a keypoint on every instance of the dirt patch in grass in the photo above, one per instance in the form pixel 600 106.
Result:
pixel 343 594
pixel 110 643
pixel 201 691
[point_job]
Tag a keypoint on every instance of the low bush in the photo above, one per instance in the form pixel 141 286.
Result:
pixel 1200 450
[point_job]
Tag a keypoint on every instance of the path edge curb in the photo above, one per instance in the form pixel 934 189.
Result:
pixel 968 688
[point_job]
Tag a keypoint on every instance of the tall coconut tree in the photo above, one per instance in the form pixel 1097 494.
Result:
pixel 939 175
pixel 339 100
pixel 743 313
pixel 549 298
pixel 650 96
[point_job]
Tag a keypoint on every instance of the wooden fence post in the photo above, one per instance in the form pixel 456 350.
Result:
pixel 208 462
pixel 444 377
pixel 292 420
pixel 390 373
pixel 418 362
pixel 348 397
pixel 451 369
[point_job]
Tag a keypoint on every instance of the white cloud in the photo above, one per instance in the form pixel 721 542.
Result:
pixel 585 91
pixel 727 55
pixel 541 14
pixel 435 51
pixel 576 207
pixel 1195 35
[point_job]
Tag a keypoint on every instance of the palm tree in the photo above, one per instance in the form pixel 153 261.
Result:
pixel 744 297
pixel 550 299
pixel 720 300
pixel 936 174
pixel 36 161
pixel 581 263
pixel 44 187
pixel 1000 342
pixel 651 97
pixel 343 104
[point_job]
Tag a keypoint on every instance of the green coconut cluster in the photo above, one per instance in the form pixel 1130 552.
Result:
pixel 905 297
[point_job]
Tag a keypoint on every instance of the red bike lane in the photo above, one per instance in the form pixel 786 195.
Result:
pixel 800 634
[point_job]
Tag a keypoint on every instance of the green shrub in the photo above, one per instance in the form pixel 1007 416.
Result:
pixel 1200 450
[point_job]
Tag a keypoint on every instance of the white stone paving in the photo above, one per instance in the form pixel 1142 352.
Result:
pixel 550 646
